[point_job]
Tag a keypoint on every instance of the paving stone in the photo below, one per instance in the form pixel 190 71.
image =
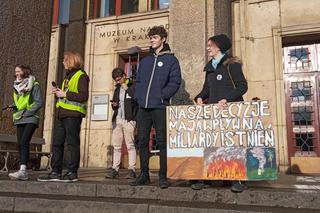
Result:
pixel 65 206
pixel 6 203
pixel 76 189
pixel 172 209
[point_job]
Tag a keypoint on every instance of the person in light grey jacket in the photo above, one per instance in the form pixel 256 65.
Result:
pixel 27 100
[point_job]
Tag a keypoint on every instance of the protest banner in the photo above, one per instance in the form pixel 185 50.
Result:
pixel 235 143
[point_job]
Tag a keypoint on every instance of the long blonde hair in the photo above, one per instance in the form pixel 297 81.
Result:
pixel 73 60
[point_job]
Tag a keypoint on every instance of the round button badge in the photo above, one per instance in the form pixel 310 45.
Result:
pixel 160 64
pixel 219 77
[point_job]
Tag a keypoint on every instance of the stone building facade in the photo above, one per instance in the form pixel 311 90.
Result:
pixel 264 33
pixel 25 39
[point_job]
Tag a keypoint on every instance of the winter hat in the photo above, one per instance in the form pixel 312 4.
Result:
pixel 222 41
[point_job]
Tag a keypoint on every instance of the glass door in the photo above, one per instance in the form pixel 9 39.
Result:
pixel 301 76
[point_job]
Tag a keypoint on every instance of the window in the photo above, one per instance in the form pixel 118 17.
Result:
pixel 105 8
pixel 64 10
pixel 61 11
pixel 160 4
pixel 129 6
pixel 301 58
pixel 301 76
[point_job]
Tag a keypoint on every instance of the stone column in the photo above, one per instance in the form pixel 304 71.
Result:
pixel 191 23
pixel 25 39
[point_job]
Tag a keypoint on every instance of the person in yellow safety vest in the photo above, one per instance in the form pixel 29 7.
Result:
pixel 27 99
pixel 71 107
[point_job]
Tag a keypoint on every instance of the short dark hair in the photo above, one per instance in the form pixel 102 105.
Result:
pixel 25 69
pixel 158 30
pixel 117 72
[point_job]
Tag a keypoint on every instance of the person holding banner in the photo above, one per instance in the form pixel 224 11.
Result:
pixel 71 108
pixel 158 79
pixel 27 99
pixel 124 122
pixel 224 82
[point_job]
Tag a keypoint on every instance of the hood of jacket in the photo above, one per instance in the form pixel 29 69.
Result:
pixel 165 50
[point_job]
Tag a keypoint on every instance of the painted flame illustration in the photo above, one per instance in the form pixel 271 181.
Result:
pixel 226 169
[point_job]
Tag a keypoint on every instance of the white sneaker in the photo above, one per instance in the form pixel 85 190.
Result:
pixel 18 175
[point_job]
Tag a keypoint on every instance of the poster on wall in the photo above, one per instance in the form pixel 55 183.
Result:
pixel 234 143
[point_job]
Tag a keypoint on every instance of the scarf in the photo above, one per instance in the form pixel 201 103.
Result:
pixel 215 62
pixel 23 86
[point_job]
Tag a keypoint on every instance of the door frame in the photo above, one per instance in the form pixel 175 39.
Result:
pixel 277 34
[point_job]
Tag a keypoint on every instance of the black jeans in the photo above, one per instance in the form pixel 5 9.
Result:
pixel 24 135
pixel 67 130
pixel 148 118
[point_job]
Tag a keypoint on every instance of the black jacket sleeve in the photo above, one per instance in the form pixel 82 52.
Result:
pixel 240 82
pixel 115 97
pixel 204 94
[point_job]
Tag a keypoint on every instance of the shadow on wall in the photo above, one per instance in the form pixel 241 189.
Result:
pixel 182 97
pixel 294 169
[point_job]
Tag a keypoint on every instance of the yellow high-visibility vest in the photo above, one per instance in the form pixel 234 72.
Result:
pixel 72 87
pixel 22 103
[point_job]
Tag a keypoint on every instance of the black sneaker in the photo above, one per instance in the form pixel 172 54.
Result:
pixel 142 179
pixel 69 177
pixel 51 177
pixel 163 183
pixel 112 174
pixel 198 185
pixel 131 174
pixel 237 187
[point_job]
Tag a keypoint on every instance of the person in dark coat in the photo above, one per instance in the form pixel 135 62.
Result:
pixel 158 79
pixel 224 82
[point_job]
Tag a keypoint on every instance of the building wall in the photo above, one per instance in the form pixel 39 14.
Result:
pixel 258 28
pixel 103 46
pixel 189 37
pixel 106 39
pixel 185 33
pixel 25 38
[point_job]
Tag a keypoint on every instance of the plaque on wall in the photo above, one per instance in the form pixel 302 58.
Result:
pixel 100 107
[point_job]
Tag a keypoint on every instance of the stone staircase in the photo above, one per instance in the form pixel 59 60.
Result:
pixel 99 195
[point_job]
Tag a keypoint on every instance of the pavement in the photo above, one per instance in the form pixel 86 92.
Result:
pixel 94 193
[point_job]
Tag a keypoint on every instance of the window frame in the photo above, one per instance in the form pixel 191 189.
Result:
pixel 55 12
pixel 144 6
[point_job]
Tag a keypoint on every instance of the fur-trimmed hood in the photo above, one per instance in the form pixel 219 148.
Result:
pixel 232 60
pixel 226 60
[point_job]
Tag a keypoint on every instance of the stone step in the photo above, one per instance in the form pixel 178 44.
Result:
pixel 46 203
pixel 32 196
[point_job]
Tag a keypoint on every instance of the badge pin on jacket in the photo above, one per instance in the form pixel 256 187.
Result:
pixel 160 64
pixel 219 77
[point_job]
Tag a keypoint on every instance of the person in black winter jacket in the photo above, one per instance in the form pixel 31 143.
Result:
pixel 124 117
pixel 224 82
pixel 158 79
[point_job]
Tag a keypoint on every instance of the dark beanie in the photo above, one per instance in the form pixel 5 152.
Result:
pixel 222 41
